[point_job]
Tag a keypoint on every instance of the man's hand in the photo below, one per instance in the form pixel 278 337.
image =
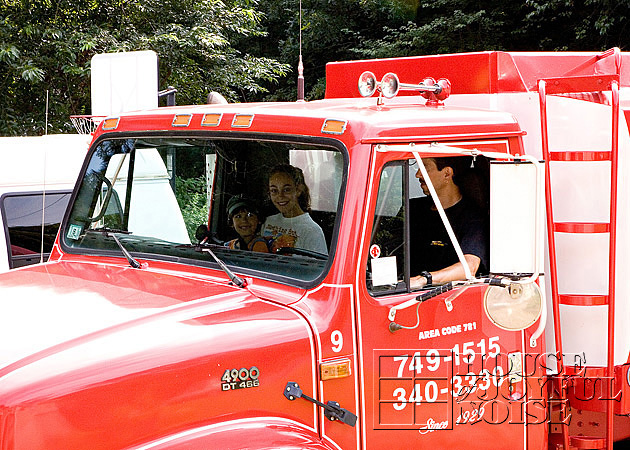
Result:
pixel 418 282
pixel 450 273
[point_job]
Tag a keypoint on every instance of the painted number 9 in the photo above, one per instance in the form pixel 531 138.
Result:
pixel 337 341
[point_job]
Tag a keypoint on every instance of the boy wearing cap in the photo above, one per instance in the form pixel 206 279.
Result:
pixel 243 216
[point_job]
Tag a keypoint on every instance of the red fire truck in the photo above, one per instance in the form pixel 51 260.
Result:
pixel 138 335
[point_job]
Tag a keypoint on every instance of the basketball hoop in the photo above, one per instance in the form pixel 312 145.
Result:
pixel 85 124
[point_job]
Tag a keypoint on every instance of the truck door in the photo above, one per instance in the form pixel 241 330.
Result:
pixel 438 374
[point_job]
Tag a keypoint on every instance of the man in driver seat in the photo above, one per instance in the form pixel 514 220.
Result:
pixel 433 257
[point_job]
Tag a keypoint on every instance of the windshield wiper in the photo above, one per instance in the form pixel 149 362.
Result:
pixel 238 281
pixel 110 232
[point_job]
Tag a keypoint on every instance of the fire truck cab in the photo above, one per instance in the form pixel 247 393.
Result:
pixel 136 335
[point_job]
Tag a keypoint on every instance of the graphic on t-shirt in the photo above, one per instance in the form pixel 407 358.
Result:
pixel 281 237
pixel 298 232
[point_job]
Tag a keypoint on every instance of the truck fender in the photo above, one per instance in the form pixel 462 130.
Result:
pixel 260 433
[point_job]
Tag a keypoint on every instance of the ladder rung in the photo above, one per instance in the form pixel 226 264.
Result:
pixel 588 83
pixel 579 156
pixel 585 371
pixel 581 227
pixel 583 300
pixel 587 442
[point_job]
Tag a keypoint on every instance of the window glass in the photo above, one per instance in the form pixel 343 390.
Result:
pixel 386 265
pixel 408 235
pixel 23 220
pixel 221 198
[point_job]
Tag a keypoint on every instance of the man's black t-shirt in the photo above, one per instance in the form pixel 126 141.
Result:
pixel 431 248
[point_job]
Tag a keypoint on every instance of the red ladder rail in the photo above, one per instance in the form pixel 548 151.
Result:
pixel 566 85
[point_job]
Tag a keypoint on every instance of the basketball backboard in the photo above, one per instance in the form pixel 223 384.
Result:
pixel 125 81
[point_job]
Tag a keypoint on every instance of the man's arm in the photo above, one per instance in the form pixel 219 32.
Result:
pixel 450 273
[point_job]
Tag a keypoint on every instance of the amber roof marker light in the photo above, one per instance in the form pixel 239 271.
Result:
pixel 211 119
pixel 181 120
pixel 334 126
pixel 242 120
pixel 434 91
pixel 111 123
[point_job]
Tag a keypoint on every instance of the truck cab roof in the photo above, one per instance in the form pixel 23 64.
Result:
pixel 405 118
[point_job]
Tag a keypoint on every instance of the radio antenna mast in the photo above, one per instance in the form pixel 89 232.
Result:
pixel 300 80
pixel 41 248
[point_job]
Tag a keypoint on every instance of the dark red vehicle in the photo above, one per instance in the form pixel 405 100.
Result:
pixel 150 328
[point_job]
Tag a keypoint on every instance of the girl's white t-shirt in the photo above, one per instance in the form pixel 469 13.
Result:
pixel 298 232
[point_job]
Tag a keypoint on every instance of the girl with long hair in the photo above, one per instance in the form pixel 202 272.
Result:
pixel 293 225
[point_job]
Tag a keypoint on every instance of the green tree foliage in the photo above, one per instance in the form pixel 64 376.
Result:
pixel 450 26
pixel 332 30
pixel 576 24
pixel 241 48
pixel 47 46
pixel 358 29
pixel 191 197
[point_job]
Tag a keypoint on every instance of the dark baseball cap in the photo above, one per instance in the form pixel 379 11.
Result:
pixel 237 202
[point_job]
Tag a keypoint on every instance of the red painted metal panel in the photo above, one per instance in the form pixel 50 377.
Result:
pixel 581 227
pixel 479 73
pixel 583 300
pixel 590 387
pixel 567 85
pixel 150 360
pixel 587 442
pixel 395 121
pixel 579 156
pixel 412 378
pixel 469 73
pixel 259 432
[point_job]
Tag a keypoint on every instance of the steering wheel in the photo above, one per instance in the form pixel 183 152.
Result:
pixel 302 252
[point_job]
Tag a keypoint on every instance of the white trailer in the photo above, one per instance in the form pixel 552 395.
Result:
pixel 35 172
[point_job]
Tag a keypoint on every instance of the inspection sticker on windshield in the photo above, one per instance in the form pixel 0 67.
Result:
pixel 384 271
pixel 240 378
pixel 74 232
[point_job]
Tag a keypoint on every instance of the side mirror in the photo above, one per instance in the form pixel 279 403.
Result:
pixel 516 217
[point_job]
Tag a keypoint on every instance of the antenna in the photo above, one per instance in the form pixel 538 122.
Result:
pixel 46 121
pixel 41 248
pixel 300 80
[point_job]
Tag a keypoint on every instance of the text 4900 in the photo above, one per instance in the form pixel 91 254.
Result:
pixel 240 378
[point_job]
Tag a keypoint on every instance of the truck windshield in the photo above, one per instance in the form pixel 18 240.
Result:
pixel 266 208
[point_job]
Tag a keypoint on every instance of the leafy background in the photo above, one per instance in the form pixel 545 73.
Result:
pixel 248 49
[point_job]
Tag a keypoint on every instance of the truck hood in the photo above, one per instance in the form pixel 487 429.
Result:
pixel 45 306
pixel 94 347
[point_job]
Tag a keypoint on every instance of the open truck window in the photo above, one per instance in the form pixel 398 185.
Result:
pixel 408 236
pixel 127 192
